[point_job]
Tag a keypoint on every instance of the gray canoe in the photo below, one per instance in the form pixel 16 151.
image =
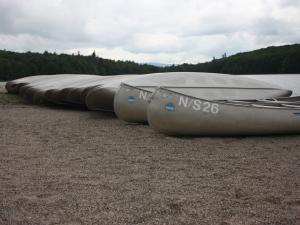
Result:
pixel 59 94
pixel 173 113
pixel 77 94
pixel 70 89
pixel 36 91
pixel 130 102
pixel 13 86
pixel 102 97
pixel 34 87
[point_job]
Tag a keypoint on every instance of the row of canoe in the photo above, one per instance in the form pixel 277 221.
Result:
pixel 174 113
pixel 174 103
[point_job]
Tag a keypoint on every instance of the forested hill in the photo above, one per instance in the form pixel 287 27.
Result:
pixel 271 60
pixel 15 65
pixel 283 59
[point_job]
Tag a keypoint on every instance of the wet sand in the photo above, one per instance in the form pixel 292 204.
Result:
pixel 63 166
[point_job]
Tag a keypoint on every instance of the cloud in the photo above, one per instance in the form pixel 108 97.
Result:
pixel 169 31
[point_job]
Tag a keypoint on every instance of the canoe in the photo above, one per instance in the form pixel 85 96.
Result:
pixel 59 94
pixel 288 81
pixel 102 97
pixel 76 92
pixel 76 95
pixel 98 92
pixel 33 90
pixel 70 89
pixel 173 113
pixel 130 102
pixel 13 86
pixel 36 91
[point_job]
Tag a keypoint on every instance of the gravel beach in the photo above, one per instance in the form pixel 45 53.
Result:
pixel 72 166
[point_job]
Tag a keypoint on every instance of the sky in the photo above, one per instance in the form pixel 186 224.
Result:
pixel 161 31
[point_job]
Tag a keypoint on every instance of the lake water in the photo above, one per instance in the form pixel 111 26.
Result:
pixel 287 81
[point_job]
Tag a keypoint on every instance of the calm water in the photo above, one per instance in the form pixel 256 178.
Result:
pixel 287 81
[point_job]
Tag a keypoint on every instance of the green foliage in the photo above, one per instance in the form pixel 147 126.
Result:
pixel 271 60
pixel 283 59
pixel 15 65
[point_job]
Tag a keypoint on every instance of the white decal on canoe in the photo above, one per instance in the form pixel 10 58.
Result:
pixel 143 95
pixel 206 107
pixel 198 105
pixel 183 101
pixel 214 108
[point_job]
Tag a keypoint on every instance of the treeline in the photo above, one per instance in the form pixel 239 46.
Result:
pixel 271 60
pixel 15 65
pixel 283 59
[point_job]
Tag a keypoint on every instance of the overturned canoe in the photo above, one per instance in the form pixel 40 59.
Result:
pixel 13 86
pixel 102 97
pixel 130 102
pixel 173 113
pixel 36 91
pixel 60 94
pixel 70 89
pixel 98 92
pixel 75 94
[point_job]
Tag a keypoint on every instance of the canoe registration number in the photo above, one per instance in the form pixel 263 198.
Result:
pixel 198 105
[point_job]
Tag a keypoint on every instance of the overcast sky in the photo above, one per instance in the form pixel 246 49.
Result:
pixel 165 31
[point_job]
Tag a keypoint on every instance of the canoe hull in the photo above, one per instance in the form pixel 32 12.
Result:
pixel 175 114
pixel 130 103
pixel 101 98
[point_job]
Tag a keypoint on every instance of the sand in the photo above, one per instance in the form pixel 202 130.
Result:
pixel 72 166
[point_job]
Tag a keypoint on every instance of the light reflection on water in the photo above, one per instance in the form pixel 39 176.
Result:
pixel 287 81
